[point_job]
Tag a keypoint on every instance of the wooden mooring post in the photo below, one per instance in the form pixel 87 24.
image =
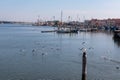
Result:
pixel 84 65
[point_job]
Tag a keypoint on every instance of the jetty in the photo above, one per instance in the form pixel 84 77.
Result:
pixel 48 31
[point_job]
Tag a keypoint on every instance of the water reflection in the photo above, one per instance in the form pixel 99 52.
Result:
pixel 69 34
pixel 117 41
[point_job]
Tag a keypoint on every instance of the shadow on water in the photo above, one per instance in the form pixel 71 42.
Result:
pixel 117 41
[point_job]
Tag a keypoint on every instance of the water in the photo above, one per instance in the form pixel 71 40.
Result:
pixel 28 54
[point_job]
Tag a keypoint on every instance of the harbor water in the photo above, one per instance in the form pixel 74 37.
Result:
pixel 28 54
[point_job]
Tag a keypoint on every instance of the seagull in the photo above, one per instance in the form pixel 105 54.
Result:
pixel 91 48
pixel 43 54
pixel 81 48
pixel 117 67
pixel 22 50
pixel 83 42
pixel 51 48
pixel 57 49
pixel 33 50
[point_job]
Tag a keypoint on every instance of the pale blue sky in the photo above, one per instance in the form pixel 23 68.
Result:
pixel 29 10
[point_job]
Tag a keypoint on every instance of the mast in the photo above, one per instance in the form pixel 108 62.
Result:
pixel 61 16
pixel 60 24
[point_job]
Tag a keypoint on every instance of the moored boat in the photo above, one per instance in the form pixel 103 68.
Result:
pixel 67 30
pixel 85 30
pixel 117 34
pixel 94 29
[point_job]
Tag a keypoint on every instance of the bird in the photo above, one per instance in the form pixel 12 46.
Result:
pixel 83 42
pixel 51 48
pixel 22 50
pixel 33 50
pixel 57 49
pixel 81 48
pixel 117 67
pixel 91 48
pixel 43 54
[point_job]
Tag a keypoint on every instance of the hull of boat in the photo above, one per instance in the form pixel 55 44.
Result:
pixel 64 31
pixel 117 34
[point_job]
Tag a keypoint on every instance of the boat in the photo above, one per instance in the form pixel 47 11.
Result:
pixel 117 34
pixel 67 30
pixel 85 30
pixel 93 29
pixel 48 31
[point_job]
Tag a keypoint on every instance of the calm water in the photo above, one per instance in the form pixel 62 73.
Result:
pixel 28 54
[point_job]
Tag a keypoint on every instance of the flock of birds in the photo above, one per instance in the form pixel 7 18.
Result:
pixel 35 51
pixel 57 49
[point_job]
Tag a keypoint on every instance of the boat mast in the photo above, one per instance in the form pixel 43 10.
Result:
pixel 61 17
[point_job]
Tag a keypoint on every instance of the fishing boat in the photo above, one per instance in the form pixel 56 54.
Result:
pixel 85 30
pixel 67 30
pixel 117 34
pixel 94 29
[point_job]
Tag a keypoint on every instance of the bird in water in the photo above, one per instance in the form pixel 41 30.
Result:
pixel 33 50
pixel 43 54
pixel 83 43
pixel 81 48
pixel 91 48
pixel 117 67
pixel 22 50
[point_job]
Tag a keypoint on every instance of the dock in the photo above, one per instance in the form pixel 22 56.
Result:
pixel 48 31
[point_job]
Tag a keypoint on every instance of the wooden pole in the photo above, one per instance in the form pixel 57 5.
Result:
pixel 84 66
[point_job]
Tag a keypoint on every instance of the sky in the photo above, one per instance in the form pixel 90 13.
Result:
pixel 31 10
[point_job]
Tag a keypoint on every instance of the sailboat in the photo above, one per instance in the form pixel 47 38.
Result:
pixel 66 29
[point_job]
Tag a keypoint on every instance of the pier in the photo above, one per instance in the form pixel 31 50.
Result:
pixel 48 31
